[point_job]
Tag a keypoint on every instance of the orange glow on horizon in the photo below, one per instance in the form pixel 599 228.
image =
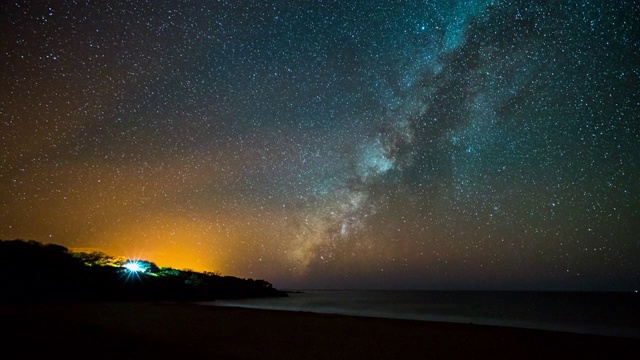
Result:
pixel 169 256
pixel 167 241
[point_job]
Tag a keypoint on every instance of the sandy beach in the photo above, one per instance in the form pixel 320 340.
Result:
pixel 172 330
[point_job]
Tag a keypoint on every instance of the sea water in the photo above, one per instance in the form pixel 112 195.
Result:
pixel 600 313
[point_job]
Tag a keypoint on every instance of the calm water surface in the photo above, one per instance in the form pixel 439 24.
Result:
pixel 613 314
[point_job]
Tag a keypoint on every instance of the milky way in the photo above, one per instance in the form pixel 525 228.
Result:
pixel 332 144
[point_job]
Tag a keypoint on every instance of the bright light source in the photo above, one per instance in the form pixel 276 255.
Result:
pixel 133 267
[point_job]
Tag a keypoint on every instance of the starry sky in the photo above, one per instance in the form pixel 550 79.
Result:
pixel 330 144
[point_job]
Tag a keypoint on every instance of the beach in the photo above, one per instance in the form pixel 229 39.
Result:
pixel 179 330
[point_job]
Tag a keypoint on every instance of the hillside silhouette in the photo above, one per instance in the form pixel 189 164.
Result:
pixel 34 272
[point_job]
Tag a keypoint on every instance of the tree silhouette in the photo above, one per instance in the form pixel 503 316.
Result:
pixel 31 271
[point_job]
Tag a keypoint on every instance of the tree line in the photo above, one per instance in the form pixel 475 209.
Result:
pixel 31 271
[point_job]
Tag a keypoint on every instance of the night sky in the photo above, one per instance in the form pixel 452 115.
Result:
pixel 330 144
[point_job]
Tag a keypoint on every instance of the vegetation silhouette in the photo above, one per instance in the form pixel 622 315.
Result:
pixel 34 272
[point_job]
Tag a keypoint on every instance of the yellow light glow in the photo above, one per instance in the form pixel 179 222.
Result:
pixel 169 241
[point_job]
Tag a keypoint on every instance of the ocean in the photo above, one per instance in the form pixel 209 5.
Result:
pixel 600 313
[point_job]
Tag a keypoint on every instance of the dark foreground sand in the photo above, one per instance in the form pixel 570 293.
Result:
pixel 184 331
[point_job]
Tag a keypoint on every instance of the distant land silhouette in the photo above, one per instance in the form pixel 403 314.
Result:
pixel 34 272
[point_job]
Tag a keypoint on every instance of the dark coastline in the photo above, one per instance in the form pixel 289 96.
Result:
pixel 32 272
pixel 162 330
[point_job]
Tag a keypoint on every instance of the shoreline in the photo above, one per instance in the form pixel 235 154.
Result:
pixel 612 331
pixel 605 314
pixel 165 329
